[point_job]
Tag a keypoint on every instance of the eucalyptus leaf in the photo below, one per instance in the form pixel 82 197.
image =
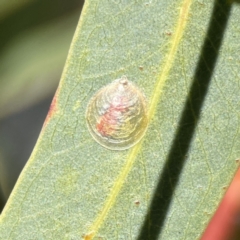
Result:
pixel 184 56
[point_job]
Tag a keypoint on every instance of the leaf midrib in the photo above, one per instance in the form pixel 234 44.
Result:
pixel 156 96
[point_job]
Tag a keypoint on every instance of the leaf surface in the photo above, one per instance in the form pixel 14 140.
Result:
pixel 184 56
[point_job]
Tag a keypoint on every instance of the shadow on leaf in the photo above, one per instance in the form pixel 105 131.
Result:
pixel 169 178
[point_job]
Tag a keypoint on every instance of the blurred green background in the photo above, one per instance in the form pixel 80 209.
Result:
pixel 34 41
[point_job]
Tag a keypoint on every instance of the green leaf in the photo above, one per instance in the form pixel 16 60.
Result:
pixel 184 55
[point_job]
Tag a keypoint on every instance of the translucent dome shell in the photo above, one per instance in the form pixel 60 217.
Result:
pixel 116 115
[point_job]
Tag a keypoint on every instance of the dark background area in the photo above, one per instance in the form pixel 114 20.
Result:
pixel 20 129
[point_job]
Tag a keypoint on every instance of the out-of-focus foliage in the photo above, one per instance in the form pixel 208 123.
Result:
pixel 34 41
pixel 8 7
pixel 35 37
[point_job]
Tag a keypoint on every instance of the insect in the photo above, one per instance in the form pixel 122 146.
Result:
pixel 117 115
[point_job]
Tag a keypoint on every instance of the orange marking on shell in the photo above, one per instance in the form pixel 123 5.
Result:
pixel 109 121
